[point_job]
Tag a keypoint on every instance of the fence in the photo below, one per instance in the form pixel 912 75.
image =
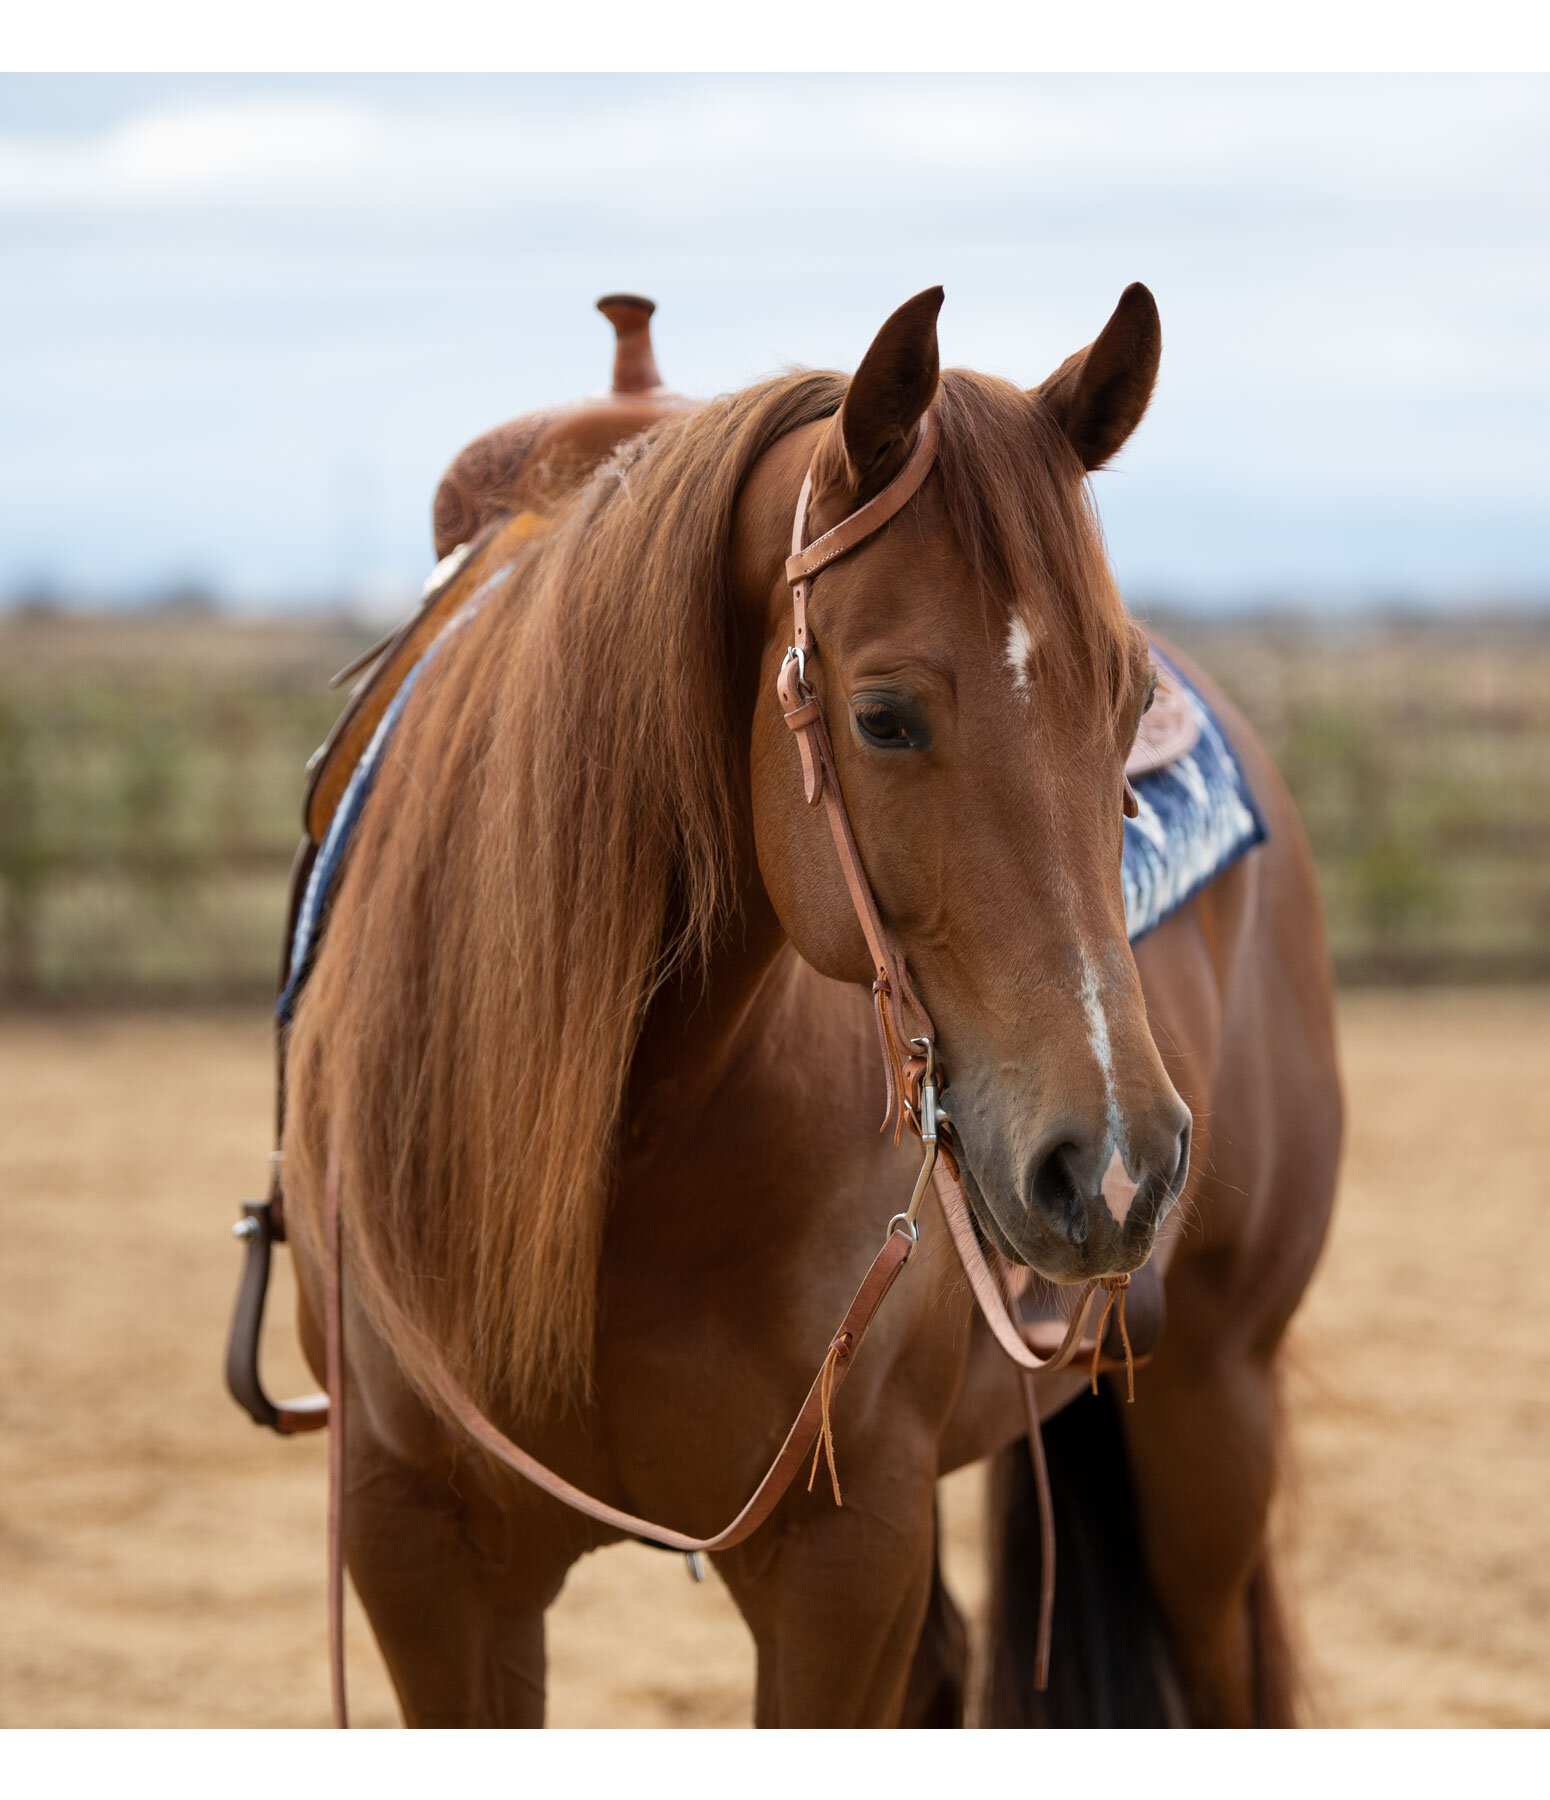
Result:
pixel 150 782
pixel 151 770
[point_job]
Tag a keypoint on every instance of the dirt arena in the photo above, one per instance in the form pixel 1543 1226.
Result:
pixel 161 1560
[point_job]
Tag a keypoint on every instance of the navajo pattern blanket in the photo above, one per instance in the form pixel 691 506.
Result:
pixel 331 854
pixel 1195 818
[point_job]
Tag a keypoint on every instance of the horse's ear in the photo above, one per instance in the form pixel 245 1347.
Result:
pixel 1098 396
pixel 887 394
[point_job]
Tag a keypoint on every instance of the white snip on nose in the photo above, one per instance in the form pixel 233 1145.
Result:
pixel 1118 1189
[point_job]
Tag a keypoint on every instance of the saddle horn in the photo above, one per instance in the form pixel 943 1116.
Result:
pixel 635 362
pixel 529 463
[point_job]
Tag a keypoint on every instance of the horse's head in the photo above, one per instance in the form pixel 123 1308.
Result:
pixel 982 687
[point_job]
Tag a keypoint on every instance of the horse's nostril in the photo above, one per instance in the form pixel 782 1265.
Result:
pixel 1163 1187
pixel 1057 1193
pixel 1179 1173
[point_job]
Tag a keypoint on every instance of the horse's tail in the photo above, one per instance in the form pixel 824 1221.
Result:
pixel 1110 1663
pixel 1109 1659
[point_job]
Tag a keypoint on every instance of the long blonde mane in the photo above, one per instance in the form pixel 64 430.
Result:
pixel 550 837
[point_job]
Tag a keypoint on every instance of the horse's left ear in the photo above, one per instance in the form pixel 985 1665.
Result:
pixel 1098 396
pixel 895 384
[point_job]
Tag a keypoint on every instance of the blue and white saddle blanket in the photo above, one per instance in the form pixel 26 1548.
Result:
pixel 330 858
pixel 1196 816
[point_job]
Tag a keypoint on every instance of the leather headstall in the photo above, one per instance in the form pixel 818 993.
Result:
pixel 905 1058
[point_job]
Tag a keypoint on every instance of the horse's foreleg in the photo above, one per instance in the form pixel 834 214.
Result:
pixel 836 1605
pixel 1202 1443
pixel 462 1634
pixel 939 1674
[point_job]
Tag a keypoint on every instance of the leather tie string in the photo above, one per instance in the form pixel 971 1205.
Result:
pixel 893 1066
pixel 1116 1287
pixel 839 1349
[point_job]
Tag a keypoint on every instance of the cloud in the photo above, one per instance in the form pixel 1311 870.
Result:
pixel 197 154
pixel 215 296
pixel 846 147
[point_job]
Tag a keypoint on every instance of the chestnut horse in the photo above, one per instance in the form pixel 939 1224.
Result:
pixel 590 1044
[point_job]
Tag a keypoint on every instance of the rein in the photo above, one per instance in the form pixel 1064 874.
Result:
pixel 914 1083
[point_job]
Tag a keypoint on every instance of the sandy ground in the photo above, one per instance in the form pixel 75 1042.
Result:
pixel 161 1561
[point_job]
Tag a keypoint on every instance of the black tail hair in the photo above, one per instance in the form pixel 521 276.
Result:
pixel 1109 1661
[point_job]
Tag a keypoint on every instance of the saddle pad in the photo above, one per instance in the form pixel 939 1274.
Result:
pixel 347 812
pixel 1195 817
pixel 1169 729
pixel 388 663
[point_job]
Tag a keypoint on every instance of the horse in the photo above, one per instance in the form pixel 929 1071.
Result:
pixel 587 1064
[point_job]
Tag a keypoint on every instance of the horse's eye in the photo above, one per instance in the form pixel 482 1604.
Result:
pixel 882 725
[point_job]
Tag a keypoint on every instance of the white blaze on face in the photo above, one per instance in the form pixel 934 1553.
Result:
pixel 1018 655
pixel 1118 1189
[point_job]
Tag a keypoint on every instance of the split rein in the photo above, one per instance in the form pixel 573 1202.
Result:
pixel 914 1083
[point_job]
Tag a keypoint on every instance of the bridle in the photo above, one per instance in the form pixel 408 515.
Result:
pixel 908 1062
pixel 914 1083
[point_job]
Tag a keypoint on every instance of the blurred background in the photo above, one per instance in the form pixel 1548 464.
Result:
pixel 244 324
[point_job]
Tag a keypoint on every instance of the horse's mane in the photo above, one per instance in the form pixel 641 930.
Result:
pixel 552 834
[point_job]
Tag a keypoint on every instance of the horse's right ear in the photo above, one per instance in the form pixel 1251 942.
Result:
pixel 896 382
pixel 1097 397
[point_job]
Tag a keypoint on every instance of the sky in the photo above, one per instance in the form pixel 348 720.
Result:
pixel 246 321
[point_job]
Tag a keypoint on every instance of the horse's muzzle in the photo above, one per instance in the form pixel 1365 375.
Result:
pixel 1077 1209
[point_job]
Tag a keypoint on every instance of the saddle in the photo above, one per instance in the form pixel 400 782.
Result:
pixel 495 494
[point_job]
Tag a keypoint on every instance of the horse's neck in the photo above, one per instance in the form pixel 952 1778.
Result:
pixel 725 1030
pixel 706 1026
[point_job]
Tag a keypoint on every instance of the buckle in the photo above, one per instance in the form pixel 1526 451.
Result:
pixel 926 1120
pixel 799 657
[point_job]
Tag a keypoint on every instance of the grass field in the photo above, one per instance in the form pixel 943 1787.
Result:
pixel 151 768
pixel 162 1560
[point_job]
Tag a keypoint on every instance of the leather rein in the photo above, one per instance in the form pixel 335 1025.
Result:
pixel 914 1084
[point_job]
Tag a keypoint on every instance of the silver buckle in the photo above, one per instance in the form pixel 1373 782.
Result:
pixel 926 1122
